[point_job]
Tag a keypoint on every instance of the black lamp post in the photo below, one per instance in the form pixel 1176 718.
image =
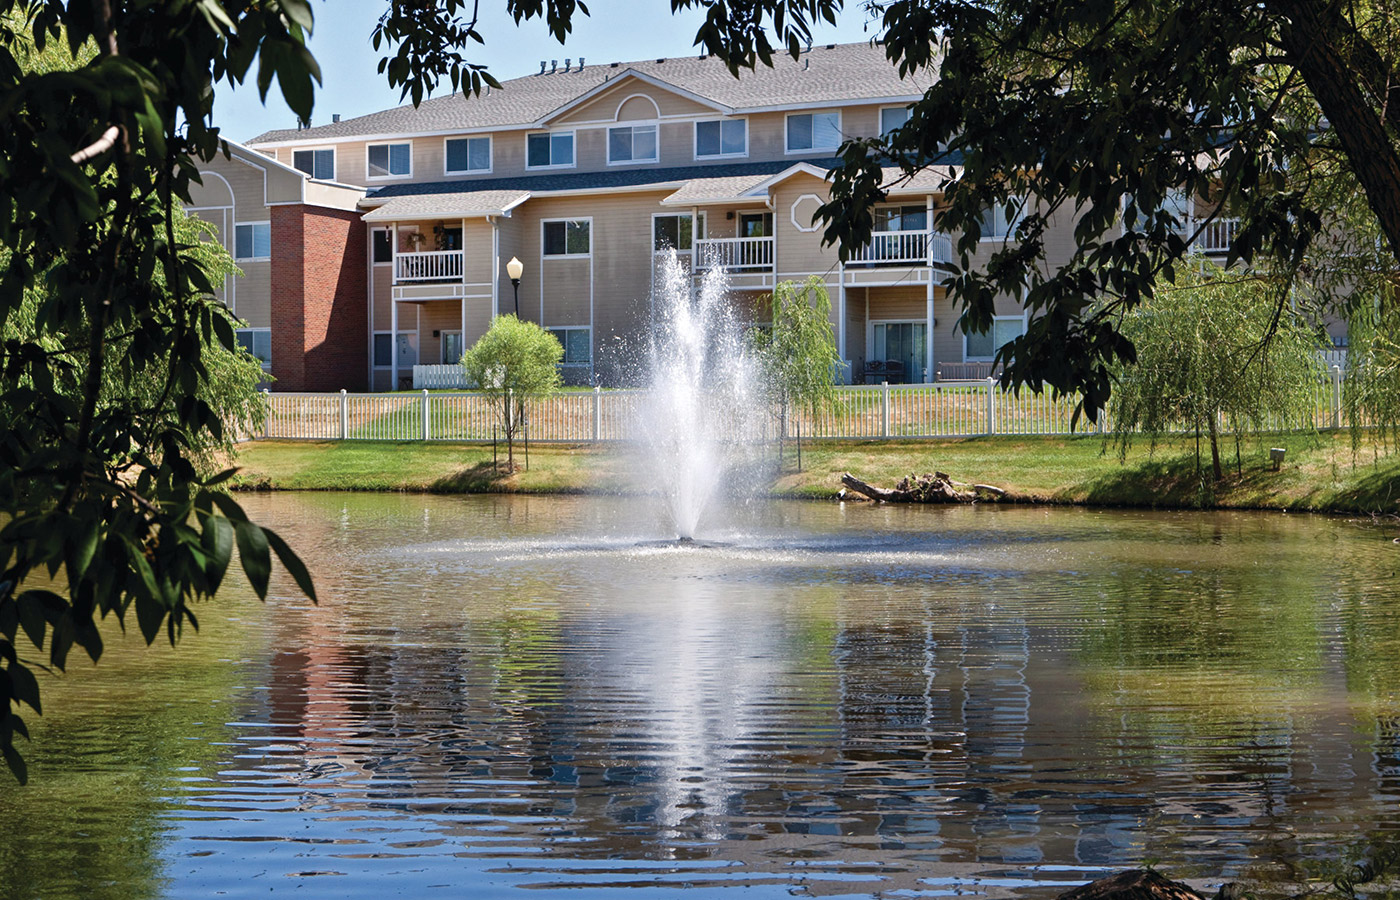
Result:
pixel 515 268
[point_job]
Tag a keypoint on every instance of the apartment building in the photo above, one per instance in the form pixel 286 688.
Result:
pixel 378 243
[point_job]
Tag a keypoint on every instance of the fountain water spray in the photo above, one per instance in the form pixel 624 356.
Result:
pixel 702 424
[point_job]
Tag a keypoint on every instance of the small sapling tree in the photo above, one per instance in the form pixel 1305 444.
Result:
pixel 799 355
pixel 1217 350
pixel 514 362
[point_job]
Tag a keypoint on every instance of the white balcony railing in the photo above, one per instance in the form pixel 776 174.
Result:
pixel 1215 237
pixel 904 248
pixel 429 265
pixel 735 254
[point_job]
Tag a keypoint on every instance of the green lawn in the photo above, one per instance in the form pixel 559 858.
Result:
pixel 1321 472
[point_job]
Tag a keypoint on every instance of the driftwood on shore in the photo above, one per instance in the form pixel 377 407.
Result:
pixel 935 488
pixel 1145 884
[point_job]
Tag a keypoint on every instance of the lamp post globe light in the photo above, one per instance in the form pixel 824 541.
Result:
pixel 515 268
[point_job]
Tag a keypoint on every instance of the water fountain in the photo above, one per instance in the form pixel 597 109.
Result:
pixel 702 423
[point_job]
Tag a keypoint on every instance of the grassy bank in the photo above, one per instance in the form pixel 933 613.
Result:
pixel 1321 472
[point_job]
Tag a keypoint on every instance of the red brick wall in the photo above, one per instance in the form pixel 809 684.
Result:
pixel 320 329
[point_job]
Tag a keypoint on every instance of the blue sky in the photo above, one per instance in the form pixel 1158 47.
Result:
pixel 618 30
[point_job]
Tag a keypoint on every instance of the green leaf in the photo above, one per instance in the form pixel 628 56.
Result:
pixel 217 540
pixel 15 762
pixel 293 563
pixel 24 687
pixel 32 607
pixel 81 549
pixel 253 552
pixel 150 614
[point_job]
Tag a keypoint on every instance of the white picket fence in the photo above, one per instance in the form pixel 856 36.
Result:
pixel 861 412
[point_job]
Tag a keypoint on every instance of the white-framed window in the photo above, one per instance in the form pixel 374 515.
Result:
pixel 631 144
pixel 383 347
pixel 389 160
pixel 383 246
pixel 997 223
pixel 549 150
pixel 252 241
pixel 978 347
pixel 577 343
pixel 463 155
pixel 892 117
pixel 673 231
pixel 257 341
pixel 721 137
pixel 899 218
pixel 567 237
pixel 813 131
pixel 319 163
pixel 755 225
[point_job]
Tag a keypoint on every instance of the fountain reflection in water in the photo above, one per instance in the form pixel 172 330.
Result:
pixel 702 423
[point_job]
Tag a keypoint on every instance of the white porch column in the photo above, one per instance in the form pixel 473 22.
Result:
pixel 495 271
pixel 393 344
pixel 928 331
pixel 840 317
pixel 394 316
pixel 463 338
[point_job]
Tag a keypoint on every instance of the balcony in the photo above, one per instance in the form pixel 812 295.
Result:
pixel 1215 238
pixel 738 255
pixel 428 266
pixel 904 248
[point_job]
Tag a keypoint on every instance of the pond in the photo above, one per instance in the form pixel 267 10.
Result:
pixel 526 697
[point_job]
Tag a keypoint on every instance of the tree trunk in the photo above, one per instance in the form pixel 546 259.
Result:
pixel 1311 34
pixel 782 432
pixel 1215 448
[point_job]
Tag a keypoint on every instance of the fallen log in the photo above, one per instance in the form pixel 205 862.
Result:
pixel 935 488
pixel 1140 884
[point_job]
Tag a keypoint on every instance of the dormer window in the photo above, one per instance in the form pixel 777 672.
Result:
pixel 721 137
pixel 813 131
pixel 632 143
pixel 549 150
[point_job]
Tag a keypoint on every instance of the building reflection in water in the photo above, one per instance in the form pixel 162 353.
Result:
pixel 780 712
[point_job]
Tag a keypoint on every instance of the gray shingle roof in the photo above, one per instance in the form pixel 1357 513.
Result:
pixel 464 204
pixel 830 73
pixel 612 178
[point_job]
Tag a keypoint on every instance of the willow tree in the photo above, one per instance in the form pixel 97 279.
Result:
pixel 799 355
pixel 1214 359
pixel 1371 396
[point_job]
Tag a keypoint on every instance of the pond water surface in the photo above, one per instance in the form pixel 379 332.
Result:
pixel 529 697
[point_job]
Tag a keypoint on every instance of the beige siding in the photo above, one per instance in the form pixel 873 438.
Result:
pixel 233 193
pixel 568 287
pixel 767 138
pixel 903 304
pixel 799 252
pixel 381 277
